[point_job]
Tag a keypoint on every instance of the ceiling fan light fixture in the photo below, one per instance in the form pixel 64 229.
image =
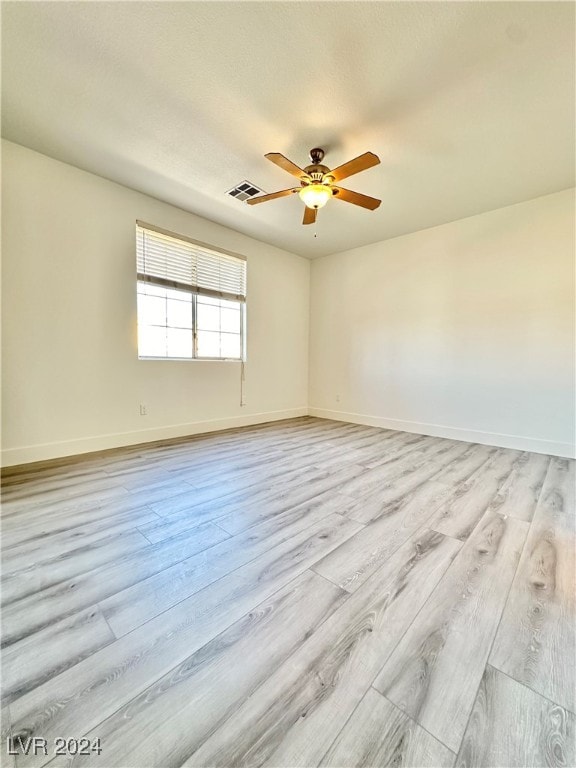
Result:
pixel 315 195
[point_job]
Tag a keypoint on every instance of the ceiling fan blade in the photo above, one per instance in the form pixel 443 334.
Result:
pixel 285 164
pixel 273 196
pixel 309 215
pixel 356 198
pixel 360 163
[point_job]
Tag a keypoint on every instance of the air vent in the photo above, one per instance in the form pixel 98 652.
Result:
pixel 245 190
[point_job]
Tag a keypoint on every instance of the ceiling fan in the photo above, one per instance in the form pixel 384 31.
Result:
pixel 317 182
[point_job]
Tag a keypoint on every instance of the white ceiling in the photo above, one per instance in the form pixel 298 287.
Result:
pixel 470 105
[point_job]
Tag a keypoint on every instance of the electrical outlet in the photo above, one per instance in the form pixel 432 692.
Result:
pixel 142 409
pixel 337 398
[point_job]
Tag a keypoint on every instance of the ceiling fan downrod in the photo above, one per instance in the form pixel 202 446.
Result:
pixel 316 155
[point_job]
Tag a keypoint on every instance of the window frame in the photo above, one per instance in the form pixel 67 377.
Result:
pixel 195 295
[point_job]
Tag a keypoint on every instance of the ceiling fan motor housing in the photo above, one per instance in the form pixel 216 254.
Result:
pixel 315 174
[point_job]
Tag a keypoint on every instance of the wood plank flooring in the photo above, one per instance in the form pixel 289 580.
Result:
pixel 300 593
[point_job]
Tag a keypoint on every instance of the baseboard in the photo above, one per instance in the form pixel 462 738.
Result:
pixel 46 451
pixel 519 442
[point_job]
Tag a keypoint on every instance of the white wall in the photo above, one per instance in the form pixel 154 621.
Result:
pixel 465 330
pixel 72 381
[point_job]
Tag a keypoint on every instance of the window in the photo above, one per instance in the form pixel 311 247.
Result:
pixel 191 298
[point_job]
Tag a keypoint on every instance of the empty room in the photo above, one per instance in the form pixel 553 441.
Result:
pixel 288 384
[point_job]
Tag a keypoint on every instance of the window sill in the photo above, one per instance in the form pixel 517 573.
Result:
pixel 194 359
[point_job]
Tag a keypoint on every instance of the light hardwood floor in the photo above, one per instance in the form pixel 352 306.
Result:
pixel 302 593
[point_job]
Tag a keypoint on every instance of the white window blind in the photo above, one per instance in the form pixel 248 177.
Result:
pixel 174 261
